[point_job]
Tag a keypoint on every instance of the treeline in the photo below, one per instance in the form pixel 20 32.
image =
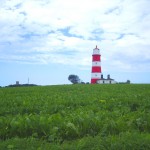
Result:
pixel 76 80
pixel 127 82
pixel 21 85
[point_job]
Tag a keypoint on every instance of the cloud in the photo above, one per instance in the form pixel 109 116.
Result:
pixel 65 32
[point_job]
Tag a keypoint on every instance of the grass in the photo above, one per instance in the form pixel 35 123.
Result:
pixel 75 117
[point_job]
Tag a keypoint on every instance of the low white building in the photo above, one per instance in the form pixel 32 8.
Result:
pixel 106 81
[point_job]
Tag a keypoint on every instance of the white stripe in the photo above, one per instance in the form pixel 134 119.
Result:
pixel 96 63
pixel 95 75
pixel 96 51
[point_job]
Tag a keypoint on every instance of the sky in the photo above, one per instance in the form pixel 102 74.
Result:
pixel 47 40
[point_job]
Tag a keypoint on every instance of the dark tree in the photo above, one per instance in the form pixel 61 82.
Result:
pixel 74 79
pixel 128 81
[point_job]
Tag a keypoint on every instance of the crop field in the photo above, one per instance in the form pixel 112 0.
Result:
pixel 75 117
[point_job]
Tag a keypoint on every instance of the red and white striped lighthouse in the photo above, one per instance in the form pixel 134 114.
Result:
pixel 96 65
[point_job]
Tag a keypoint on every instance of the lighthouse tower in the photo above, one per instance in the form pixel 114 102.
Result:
pixel 96 65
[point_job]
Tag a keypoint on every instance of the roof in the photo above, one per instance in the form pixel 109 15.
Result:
pixel 96 47
pixel 106 79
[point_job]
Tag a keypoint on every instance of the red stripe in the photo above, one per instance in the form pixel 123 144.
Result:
pixel 96 69
pixel 93 81
pixel 96 58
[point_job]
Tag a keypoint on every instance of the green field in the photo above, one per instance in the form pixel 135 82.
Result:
pixel 75 117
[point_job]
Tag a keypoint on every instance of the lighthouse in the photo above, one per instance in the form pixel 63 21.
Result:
pixel 96 66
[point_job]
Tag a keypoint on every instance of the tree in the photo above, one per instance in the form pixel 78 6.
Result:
pixel 128 81
pixel 74 79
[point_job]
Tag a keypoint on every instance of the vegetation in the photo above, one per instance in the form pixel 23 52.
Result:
pixel 78 117
pixel 21 85
pixel 74 79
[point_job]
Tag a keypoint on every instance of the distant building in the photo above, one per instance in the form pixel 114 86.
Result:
pixel 106 81
pixel 17 82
